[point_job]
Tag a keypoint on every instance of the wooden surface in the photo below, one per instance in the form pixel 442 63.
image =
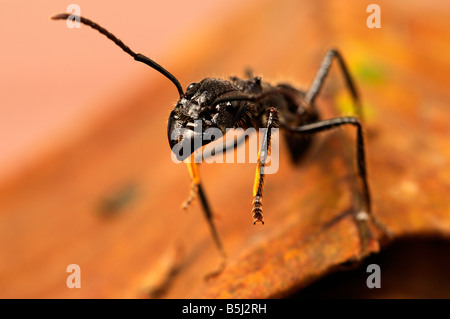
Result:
pixel 109 199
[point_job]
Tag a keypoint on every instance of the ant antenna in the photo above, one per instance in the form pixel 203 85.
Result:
pixel 137 56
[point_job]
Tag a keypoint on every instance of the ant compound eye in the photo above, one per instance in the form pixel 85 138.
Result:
pixel 192 85
pixel 192 88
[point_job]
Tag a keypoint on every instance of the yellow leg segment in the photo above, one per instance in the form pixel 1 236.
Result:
pixel 257 212
pixel 195 181
pixel 257 194
pixel 196 188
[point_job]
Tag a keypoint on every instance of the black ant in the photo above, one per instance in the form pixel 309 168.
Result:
pixel 248 103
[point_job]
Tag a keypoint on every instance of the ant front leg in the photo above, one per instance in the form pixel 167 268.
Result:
pixel 321 75
pixel 197 188
pixel 257 212
pixel 365 213
pixel 195 182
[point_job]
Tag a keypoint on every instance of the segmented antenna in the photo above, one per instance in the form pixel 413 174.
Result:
pixel 137 56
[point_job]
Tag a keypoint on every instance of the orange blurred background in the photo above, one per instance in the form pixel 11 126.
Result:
pixel 85 169
pixel 44 96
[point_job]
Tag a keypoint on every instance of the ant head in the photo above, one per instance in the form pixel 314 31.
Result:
pixel 201 117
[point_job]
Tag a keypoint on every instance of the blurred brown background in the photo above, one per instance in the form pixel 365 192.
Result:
pixel 85 169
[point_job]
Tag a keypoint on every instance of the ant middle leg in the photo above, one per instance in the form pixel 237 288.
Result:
pixel 229 146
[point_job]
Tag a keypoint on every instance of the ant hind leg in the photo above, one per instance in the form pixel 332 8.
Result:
pixel 322 74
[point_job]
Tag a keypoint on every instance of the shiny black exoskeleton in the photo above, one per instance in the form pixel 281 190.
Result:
pixel 233 103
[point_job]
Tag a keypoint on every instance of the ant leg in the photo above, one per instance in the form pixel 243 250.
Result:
pixel 195 182
pixel 198 188
pixel 366 213
pixel 227 147
pixel 215 234
pixel 322 73
pixel 257 213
